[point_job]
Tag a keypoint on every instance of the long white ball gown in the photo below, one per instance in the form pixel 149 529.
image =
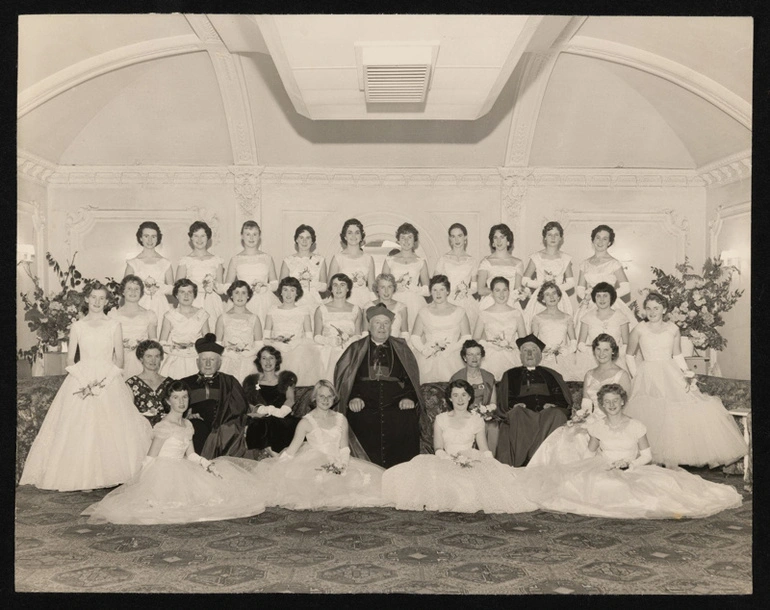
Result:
pixel 440 331
pixel 603 272
pixel 684 427
pixel 507 271
pixel 240 347
pixel 302 483
pixel 339 331
pixel 254 269
pixel 153 275
pixel 408 289
pixel 500 350
pixel 357 269
pixel 89 439
pixel 585 361
pixel 428 482
pixel 135 330
pixel 569 443
pixel 307 271
pixel 556 354
pixel 589 487
pixel 180 360
pixel 462 279
pixel 548 270
pixel 172 489
pixel 204 273
pixel 299 353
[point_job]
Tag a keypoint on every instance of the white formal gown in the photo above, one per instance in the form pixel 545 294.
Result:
pixel 548 270
pixel 462 279
pixel 135 330
pixel 155 288
pixel 240 347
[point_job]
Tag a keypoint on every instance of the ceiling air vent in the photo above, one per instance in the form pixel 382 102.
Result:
pixel 395 73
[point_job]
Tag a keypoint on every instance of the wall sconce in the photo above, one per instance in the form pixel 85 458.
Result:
pixel 731 258
pixel 25 256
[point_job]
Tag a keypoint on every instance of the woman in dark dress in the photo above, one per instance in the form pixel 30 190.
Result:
pixel 271 398
pixel 149 387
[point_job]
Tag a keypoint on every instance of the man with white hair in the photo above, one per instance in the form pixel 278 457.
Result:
pixel 218 405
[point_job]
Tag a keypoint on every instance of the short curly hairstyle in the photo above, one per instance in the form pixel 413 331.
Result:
pixel 612 388
pixel 197 226
pixel 131 278
pixel 604 228
pixel 605 338
pixel 385 277
pixel 323 383
pixel 240 284
pixel 342 278
pixel 547 286
pixel 181 283
pixel 299 230
pixel 350 222
pixel 408 228
pixel 149 224
pixel 499 279
pixel 553 225
pixel 505 231
pixel 471 343
pixel 604 287
pixel 273 352
pixel 292 282
pixel 250 224
pixel 439 278
pixel 143 346
pixel 657 298
pixel 459 383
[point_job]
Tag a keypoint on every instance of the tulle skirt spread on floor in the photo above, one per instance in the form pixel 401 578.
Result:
pixel 564 445
pixel 428 482
pixel 588 487
pixel 172 490
pixel 683 427
pixel 92 442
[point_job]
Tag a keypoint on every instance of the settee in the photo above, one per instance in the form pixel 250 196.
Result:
pixel 35 395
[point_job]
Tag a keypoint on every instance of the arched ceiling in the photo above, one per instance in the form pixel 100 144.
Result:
pixel 222 90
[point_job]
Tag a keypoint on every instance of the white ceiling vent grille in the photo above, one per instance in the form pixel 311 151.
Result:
pixel 395 73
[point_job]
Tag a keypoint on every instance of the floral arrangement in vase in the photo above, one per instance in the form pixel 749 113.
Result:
pixel 50 316
pixel 696 303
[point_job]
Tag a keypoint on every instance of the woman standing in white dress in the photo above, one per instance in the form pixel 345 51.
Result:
pixel 461 269
pixel 385 287
pixel 288 329
pixel 410 271
pixel 352 261
pixel 604 319
pixel 554 328
pixel 206 270
pixel 337 324
pixel 257 269
pixel 240 332
pixel 602 267
pixel 549 265
pixel 309 268
pixel 501 263
pixel 497 328
pixel 439 333
pixel 181 327
pixel 92 435
pixel 154 271
pixel 136 322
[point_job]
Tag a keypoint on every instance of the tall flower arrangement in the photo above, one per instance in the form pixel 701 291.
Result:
pixel 51 316
pixel 696 302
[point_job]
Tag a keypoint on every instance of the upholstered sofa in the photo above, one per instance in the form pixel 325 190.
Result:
pixel 35 395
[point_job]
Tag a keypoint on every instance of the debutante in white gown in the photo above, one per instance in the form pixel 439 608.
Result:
pixel 683 427
pixel 441 332
pixel 357 269
pixel 593 274
pixel 302 482
pixel 299 352
pixel 254 269
pixel 172 489
pixel 585 361
pixel 180 360
pixel 548 270
pixel 134 332
pixel 339 331
pixel 589 487
pixel 240 347
pixel 462 279
pixel 408 289
pixel 569 443
pixel 509 272
pixel 308 271
pixel 500 350
pixel 428 482
pixel 204 273
pixel 153 275
pixel 557 354
pixel 89 438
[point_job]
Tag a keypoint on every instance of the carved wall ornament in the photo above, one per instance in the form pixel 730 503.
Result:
pixel 248 191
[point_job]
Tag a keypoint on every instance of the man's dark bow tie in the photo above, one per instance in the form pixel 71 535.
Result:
pixel 207 380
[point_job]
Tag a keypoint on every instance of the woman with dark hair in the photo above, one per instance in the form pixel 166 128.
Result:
pixel 337 324
pixel 549 265
pixel 458 478
pixel 181 327
pixel 136 322
pixel 501 263
pixel 461 269
pixel 604 319
pixel 203 268
pixel 497 328
pixel 353 262
pixel 153 269
pixel 410 271
pixel 602 267
pixel 239 332
pixel 684 426
pixel 570 443
pixel 92 435
pixel 257 269
pixel 554 328
pixel 307 266
pixel 439 333
pixel 289 330
pixel 149 387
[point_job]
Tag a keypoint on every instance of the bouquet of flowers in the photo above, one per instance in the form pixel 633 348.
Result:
pixel 404 282
pixel 283 338
pixel 461 291
pixel 696 302
pixel 438 346
pixel 341 335
pixel 305 277
pixel 50 316
pixel 333 467
pixel 553 350
pixel 91 389
pixel 463 461
pixel 130 344
pixel 486 412
pixel 208 283
pixel 503 342
pixel 358 278
pixel 150 285
pixel 520 294
pixel 257 287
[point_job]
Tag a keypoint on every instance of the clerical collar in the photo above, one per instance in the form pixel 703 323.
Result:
pixel 207 380
pixel 531 368
pixel 382 343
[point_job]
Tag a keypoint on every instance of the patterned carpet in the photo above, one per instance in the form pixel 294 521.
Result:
pixel 383 551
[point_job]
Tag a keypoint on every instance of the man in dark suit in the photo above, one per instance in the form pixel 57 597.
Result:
pixel 534 401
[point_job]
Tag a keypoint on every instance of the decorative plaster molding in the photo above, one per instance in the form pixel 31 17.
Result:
pixel 381 177
pixel 34 167
pixel 143 175
pixel 615 178
pixel 513 190
pixel 203 28
pixel 248 191
pixel 727 170
pixel 721 214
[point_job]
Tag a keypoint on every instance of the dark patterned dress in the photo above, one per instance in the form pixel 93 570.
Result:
pixel 149 402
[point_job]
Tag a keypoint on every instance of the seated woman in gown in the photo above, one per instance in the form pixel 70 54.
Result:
pixel 149 387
